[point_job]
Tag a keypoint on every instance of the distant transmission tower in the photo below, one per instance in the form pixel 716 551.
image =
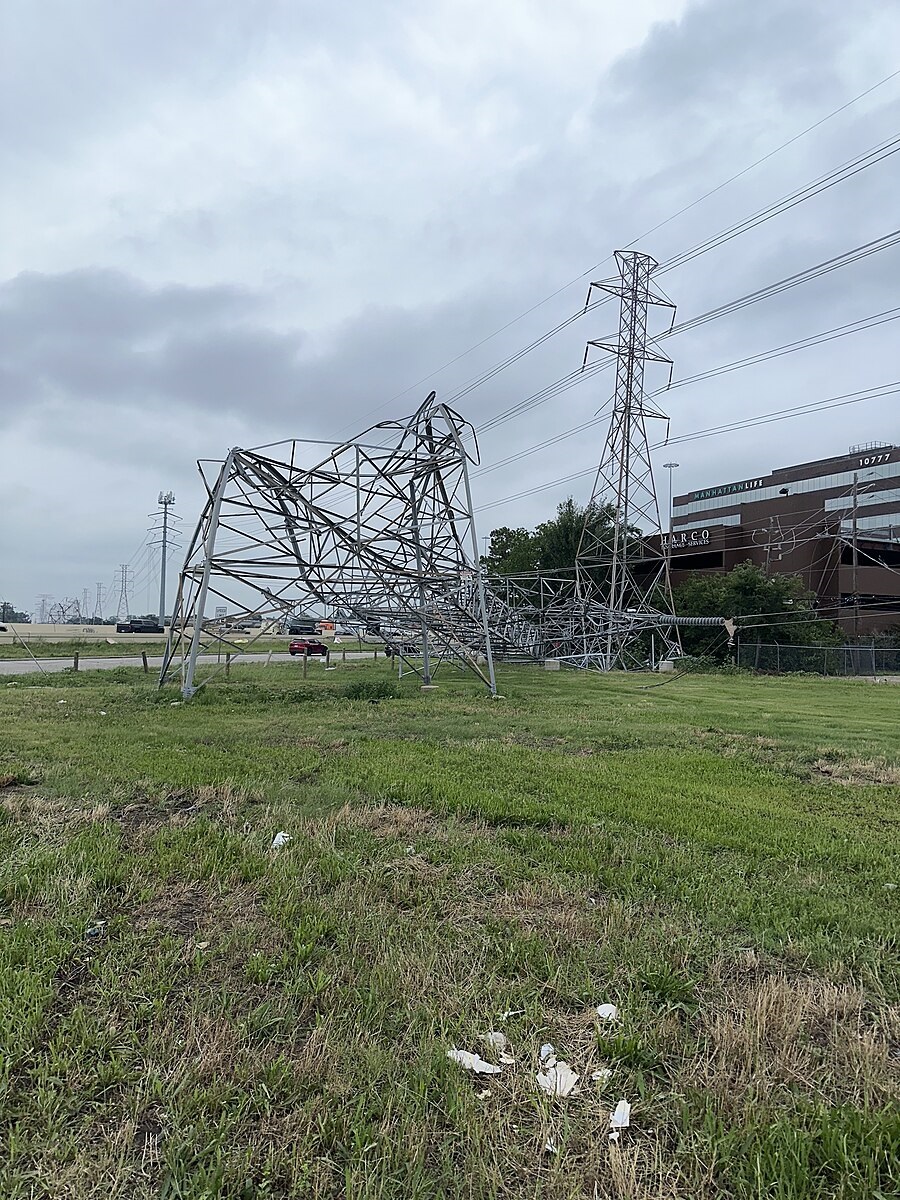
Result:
pixel 85 603
pixel 43 611
pixel 623 564
pixel 122 610
pixel 98 603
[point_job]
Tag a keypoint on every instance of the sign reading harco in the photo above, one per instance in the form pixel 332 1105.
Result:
pixel 690 537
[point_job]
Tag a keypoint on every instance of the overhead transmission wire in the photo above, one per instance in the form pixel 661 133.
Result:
pixel 573 378
pixel 873 393
pixel 847 170
pixel 828 335
pixel 653 229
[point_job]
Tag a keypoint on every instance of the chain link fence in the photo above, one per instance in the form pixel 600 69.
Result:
pixel 858 659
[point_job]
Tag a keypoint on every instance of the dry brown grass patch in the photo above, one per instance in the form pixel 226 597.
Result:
pixel 770 1031
pixel 856 771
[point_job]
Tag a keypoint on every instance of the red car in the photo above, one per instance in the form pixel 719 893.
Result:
pixel 305 646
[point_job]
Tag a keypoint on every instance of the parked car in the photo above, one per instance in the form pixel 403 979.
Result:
pixel 307 646
pixel 139 627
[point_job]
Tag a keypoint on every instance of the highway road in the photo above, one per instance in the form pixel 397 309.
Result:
pixel 51 666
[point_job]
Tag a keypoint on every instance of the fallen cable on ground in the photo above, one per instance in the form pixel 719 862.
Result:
pixel 472 1062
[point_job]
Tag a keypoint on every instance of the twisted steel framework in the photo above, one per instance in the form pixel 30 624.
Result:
pixel 381 534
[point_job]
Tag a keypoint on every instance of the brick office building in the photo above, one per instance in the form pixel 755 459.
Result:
pixel 834 522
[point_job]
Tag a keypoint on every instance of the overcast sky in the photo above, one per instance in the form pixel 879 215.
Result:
pixel 230 221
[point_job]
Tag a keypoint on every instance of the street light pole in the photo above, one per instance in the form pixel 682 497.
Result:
pixel 670 467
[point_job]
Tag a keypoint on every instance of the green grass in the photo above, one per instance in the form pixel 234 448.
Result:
pixel 187 1014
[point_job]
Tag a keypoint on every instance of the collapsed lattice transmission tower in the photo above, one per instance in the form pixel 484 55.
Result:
pixel 380 532
pixel 622 576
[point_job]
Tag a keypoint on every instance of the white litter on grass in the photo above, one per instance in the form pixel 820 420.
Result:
pixel 619 1119
pixel 280 839
pixel 496 1039
pixel 550 1146
pixel 472 1062
pixel 103 712
pixel 60 702
pixel 557 1078
pixel 484 1094
pixel 607 1012
pixel 507 1059
pixel 603 1074
pixel 511 1012
pixel 175 703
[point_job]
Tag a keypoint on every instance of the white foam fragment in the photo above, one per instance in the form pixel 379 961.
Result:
pixel 496 1039
pixel 620 1118
pixel 280 839
pixel 547 1055
pixel 607 1012
pixel 472 1062
pixel 558 1081
pixel 603 1073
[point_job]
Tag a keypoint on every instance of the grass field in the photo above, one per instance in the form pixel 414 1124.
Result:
pixel 122 646
pixel 189 1014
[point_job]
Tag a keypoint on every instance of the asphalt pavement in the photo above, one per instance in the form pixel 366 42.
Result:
pixel 52 666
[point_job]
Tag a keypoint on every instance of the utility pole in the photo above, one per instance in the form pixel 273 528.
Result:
pixel 855 559
pixel 43 611
pixel 670 467
pixel 98 603
pixel 165 500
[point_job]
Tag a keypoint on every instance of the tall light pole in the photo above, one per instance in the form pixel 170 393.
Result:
pixel 670 467
pixel 165 499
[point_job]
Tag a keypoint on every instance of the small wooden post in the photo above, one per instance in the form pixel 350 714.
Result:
pixel 269 657
pixel 227 665
pixel 376 654
pixel 343 655
pixel 75 662
pixel 144 661
pixel 305 662
pixel 328 656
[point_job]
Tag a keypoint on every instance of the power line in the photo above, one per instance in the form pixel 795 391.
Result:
pixel 829 335
pixel 680 212
pixel 858 397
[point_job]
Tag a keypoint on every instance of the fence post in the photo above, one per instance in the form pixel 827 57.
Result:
pixel 343 655
pixel 874 672
pixel 75 662
pixel 825 663
pixel 144 661
pixel 305 662
pixel 227 665
pixel 269 657
pixel 376 655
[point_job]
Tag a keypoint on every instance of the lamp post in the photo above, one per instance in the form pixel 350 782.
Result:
pixel 670 467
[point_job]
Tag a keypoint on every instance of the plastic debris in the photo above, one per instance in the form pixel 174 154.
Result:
pixel 557 1078
pixel 103 712
pixel 175 703
pixel 200 945
pixel 507 1059
pixel 484 1094
pixel 472 1062
pixel 60 702
pixel 550 1146
pixel 619 1119
pixel 496 1039
pixel 607 1012
pixel 511 1012
pixel 280 839
pixel 95 930
pixel 603 1073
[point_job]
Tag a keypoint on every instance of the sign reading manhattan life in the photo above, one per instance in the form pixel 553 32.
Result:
pixel 728 489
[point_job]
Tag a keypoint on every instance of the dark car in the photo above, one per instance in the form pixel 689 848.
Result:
pixel 307 646
pixel 139 627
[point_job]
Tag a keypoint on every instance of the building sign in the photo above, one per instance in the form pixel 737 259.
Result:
pixel 728 489
pixel 690 537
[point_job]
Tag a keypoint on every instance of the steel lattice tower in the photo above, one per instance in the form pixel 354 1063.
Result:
pixel 624 565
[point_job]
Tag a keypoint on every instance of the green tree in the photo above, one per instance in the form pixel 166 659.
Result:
pixel 782 605
pixel 9 613
pixel 511 552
